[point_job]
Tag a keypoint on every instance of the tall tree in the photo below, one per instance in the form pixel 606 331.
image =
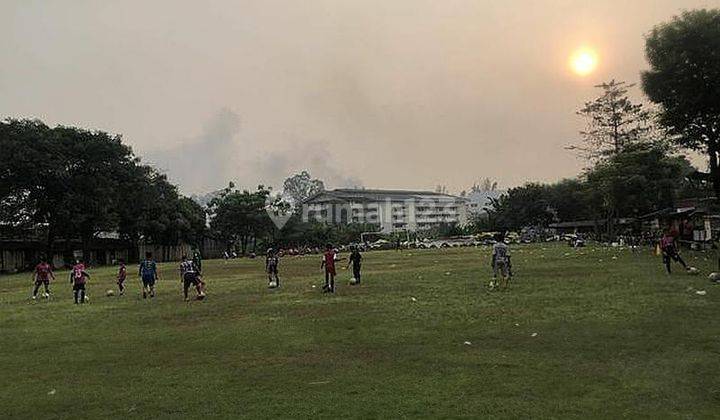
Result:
pixel 613 122
pixel 300 187
pixel 684 78
pixel 240 217
pixel 64 179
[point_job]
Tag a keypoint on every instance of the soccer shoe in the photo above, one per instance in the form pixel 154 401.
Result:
pixel 144 295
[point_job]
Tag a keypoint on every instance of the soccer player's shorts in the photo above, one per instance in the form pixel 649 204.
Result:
pixel 501 267
pixel 330 271
pixel 45 282
pixel 190 278
pixel 79 286
pixel 148 280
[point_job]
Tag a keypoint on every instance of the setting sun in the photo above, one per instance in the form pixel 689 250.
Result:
pixel 583 61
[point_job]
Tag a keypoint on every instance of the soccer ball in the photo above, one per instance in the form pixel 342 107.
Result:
pixel 109 293
pixel 693 271
pixel 272 285
pixel 714 277
pixel 87 298
pixel 353 280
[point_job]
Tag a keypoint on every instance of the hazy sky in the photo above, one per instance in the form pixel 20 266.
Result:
pixel 380 93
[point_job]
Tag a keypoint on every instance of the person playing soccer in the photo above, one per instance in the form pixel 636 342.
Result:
pixel 197 259
pixel 500 261
pixel 190 275
pixel 356 261
pixel 272 261
pixel 78 278
pixel 148 275
pixel 122 275
pixel 41 276
pixel 670 252
pixel 328 263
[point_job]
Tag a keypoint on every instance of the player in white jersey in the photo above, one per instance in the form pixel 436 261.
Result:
pixel 500 262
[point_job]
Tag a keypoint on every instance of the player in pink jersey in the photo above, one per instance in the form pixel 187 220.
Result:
pixel 78 278
pixel 328 263
pixel 42 275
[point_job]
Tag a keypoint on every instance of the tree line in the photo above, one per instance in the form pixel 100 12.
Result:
pixel 72 184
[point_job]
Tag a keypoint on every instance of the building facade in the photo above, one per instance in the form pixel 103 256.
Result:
pixel 390 210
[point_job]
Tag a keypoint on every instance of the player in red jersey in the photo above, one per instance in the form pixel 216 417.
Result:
pixel 122 275
pixel 78 278
pixel 42 275
pixel 328 263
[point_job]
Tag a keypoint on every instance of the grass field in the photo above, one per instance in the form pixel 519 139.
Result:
pixel 578 334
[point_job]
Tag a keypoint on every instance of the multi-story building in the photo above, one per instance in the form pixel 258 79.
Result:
pixel 391 210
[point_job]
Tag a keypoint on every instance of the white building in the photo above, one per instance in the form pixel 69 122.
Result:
pixel 391 210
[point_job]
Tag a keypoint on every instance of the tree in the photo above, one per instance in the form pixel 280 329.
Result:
pixel 570 200
pixel 27 174
pixel 527 205
pixel 684 78
pixel 240 217
pixel 641 179
pixel 300 187
pixel 63 180
pixel 73 184
pixel 613 122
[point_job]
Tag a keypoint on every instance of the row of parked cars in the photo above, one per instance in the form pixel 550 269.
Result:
pixel 452 242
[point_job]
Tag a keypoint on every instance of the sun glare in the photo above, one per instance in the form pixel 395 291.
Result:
pixel 583 61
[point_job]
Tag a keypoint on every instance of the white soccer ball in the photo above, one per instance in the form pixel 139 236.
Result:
pixel 272 285
pixel 714 277
pixel 693 271
pixel 87 298
pixel 353 280
pixel 109 293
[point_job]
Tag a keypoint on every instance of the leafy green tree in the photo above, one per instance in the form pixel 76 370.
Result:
pixel 300 187
pixel 240 217
pixel 28 181
pixel 74 184
pixel 62 179
pixel 684 78
pixel 528 205
pixel 613 122
pixel 570 199
pixel 641 179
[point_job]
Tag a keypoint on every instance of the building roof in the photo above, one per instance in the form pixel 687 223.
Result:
pixel 373 195
pixel 670 212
